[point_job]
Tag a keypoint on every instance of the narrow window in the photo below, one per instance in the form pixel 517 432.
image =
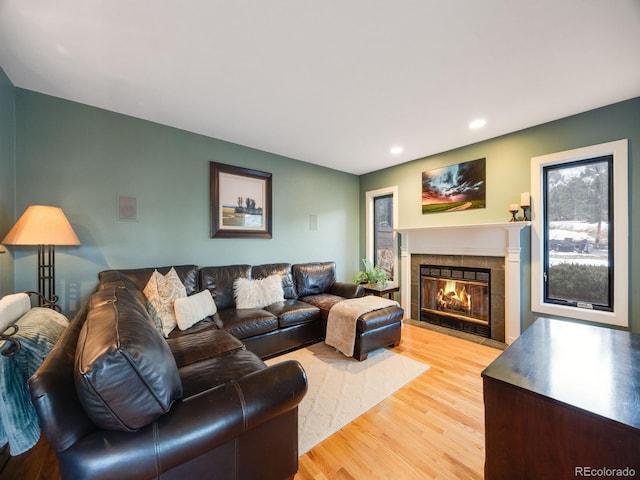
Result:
pixel 383 236
pixel 580 234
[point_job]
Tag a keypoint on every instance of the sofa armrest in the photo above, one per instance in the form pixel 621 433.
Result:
pixel 191 428
pixel 346 290
pixel 53 391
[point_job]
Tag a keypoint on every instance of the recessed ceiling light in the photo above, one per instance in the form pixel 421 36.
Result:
pixel 477 123
pixel 61 49
pixel 397 150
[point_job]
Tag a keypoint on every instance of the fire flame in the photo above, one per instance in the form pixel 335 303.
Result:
pixel 452 297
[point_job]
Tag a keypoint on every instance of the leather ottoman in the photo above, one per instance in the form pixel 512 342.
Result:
pixel 377 329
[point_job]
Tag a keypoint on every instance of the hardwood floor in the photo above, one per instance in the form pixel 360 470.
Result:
pixel 39 463
pixel 432 428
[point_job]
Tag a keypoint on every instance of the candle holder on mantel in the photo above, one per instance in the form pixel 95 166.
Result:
pixel 513 209
pixel 524 209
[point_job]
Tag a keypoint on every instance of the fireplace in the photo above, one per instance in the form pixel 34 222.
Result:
pixel 456 297
pixel 483 280
pixel 496 246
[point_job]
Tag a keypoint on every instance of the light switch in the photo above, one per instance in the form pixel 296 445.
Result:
pixel 313 222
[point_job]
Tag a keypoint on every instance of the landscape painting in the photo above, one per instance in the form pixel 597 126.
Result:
pixel 455 188
pixel 240 202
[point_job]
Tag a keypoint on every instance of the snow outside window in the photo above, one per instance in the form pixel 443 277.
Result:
pixel 580 234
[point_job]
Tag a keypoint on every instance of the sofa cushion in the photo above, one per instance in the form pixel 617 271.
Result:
pixel 323 301
pixel 194 308
pixel 202 345
pixel 293 312
pixel 219 281
pixel 227 367
pixel 313 278
pixel 258 293
pixel 245 323
pixel 161 292
pixel 205 324
pixel 125 374
pixel 110 278
pixel 282 269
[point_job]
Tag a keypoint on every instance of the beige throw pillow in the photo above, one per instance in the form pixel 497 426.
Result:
pixel 258 293
pixel 190 310
pixel 161 292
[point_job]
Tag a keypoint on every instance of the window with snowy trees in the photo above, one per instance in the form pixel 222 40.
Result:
pixel 578 258
pixel 579 247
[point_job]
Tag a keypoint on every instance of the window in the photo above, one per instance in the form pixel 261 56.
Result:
pixel 381 216
pixel 383 244
pixel 578 255
pixel 580 236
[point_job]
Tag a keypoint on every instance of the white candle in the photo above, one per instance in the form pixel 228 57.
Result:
pixel 525 199
pixel 514 207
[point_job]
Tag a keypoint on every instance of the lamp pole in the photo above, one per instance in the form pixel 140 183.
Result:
pixel 46 276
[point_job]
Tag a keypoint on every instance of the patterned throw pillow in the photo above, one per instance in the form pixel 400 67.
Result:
pixel 161 291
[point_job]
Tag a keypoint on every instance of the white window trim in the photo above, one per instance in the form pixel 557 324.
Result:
pixel 620 315
pixel 370 196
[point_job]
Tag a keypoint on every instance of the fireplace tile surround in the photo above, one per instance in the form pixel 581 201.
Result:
pixel 495 264
pixel 495 246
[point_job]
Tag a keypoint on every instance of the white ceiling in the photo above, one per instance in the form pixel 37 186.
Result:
pixel 331 82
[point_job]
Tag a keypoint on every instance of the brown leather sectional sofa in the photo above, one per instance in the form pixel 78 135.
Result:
pixel 116 400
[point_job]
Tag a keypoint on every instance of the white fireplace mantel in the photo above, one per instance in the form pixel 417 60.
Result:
pixel 487 239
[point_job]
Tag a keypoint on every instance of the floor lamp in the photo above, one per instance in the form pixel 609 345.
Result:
pixel 45 227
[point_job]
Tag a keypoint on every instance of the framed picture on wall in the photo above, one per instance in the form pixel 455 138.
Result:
pixel 455 188
pixel 240 201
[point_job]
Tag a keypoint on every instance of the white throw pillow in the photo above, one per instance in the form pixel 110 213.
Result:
pixel 258 293
pixel 161 291
pixel 190 310
pixel 12 307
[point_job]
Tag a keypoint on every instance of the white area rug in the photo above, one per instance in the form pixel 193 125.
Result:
pixel 341 389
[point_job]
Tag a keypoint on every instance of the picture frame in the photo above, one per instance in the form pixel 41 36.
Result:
pixel 455 188
pixel 240 202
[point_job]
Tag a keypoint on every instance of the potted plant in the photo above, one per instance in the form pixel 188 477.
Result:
pixel 371 274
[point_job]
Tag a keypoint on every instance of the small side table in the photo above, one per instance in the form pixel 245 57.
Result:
pixel 380 290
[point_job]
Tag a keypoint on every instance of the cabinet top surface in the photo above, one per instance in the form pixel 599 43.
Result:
pixel 596 369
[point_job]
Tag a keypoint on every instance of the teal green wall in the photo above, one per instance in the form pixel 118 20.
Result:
pixel 82 158
pixel 7 190
pixel 508 174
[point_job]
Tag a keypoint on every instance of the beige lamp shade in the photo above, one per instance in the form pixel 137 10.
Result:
pixel 42 225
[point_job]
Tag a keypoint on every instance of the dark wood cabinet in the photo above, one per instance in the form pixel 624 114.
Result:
pixel 563 402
